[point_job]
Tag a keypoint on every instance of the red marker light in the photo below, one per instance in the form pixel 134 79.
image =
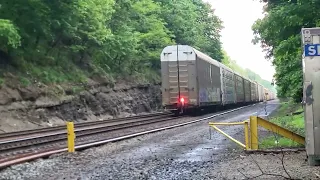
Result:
pixel 182 100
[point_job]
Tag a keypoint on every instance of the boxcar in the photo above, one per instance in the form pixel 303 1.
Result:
pixel 192 79
pixel 247 90
pixel 265 94
pixel 189 78
pixel 253 91
pixel 257 91
pixel 260 92
pixel 239 86
pixel 227 85
pixel 209 81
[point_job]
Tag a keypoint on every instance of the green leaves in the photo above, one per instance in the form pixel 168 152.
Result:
pixel 279 34
pixel 193 23
pixel 9 34
pixel 122 37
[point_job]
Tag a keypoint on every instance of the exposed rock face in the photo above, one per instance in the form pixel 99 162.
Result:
pixel 27 108
pixel 8 95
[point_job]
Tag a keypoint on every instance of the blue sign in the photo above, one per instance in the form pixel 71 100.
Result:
pixel 312 50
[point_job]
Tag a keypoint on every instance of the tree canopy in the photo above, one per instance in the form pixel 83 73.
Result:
pixel 68 41
pixel 279 34
pixel 55 41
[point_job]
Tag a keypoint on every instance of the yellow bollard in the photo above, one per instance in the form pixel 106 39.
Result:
pixel 71 136
pixel 254 132
pixel 246 134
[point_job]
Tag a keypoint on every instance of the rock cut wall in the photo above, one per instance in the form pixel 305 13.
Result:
pixel 28 108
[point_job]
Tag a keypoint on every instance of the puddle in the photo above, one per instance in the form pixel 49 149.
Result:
pixel 201 153
pixel 174 141
pixel 194 144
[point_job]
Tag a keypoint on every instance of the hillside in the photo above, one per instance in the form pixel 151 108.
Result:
pixel 81 43
pixel 90 60
pixel 69 42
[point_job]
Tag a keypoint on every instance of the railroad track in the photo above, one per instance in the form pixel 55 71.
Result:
pixel 17 147
pixel 17 144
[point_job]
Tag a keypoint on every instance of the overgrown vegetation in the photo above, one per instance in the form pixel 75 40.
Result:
pixel 54 42
pixel 290 116
pixel 67 41
pixel 279 33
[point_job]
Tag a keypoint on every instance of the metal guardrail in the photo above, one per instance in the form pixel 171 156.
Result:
pixel 251 142
pixel 257 121
pixel 246 132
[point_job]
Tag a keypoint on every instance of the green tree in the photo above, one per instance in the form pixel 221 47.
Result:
pixel 52 41
pixel 9 36
pixel 193 23
pixel 279 34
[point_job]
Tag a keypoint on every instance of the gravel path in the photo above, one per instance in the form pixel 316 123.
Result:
pixel 181 153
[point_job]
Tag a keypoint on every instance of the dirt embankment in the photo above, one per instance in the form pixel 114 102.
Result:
pixel 42 106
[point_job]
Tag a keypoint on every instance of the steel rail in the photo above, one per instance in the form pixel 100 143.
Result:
pixel 76 125
pixel 58 145
pixel 46 153
pixel 82 132
pixel 53 130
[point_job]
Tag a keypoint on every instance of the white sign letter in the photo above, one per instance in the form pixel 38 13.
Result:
pixel 312 51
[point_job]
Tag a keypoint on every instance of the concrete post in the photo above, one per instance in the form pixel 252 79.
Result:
pixel 311 92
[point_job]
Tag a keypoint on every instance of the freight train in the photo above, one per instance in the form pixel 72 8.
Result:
pixel 192 80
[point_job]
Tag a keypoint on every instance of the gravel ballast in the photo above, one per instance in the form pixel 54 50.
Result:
pixel 187 152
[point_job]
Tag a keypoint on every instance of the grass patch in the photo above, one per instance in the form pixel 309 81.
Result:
pixel 275 141
pixel 147 76
pixel 69 74
pixel 77 90
pixel 24 81
pixel 284 119
pixel 48 71
pixel 57 74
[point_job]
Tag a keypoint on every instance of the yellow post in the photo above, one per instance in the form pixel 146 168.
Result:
pixel 246 134
pixel 71 136
pixel 254 132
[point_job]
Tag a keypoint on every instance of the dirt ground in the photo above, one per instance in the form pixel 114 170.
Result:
pixel 188 152
pixel 266 166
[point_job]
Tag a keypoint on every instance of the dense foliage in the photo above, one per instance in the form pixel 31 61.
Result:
pixel 246 72
pixel 56 41
pixel 279 33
